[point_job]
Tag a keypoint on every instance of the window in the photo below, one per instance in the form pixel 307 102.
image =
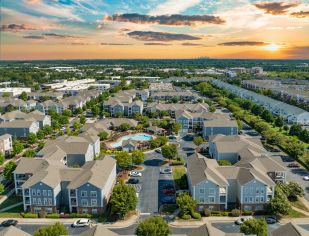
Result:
pixel 49 210
pixel 245 191
pixel 34 201
pixel 211 199
pixel 262 190
pixel 202 200
pixel 84 193
pixel 37 209
pixel 246 199
pixel 49 193
pixel 262 199
pixel 38 192
pixel 44 192
pixel 94 211
pixel 33 192
pixel 39 201
pixel 84 202
pixel 257 199
pixel 93 194
pixel 211 191
pixel 93 202
pixel 45 201
pixel 257 190
pixel 251 199
pixel 50 201
pixel 85 211
pixel 202 190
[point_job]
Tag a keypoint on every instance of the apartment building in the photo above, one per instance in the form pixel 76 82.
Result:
pixel 179 95
pixel 171 108
pixel 219 126
pixel 19 128
pixel 14 91
pixel 220 187
pixel 192 121
pixel 6 144
pixel 290 113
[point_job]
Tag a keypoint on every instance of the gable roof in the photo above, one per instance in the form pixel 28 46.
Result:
pixel 290 229
pixel 12 230
pixel 98 230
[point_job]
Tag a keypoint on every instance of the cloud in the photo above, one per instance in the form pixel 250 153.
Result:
pixel 157 44
pixel 300 52
pixel 16 27
pixel 117 44
pixel 160 36
pixel 52 36
pixel 300 14
pixel 176 20
pixel 173 7
pixel 243 43
pixel 275 8
pixel 192 44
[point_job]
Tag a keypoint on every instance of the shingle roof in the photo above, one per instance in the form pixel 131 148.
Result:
pixel 12 230
pixel 290 229
pixel 98 230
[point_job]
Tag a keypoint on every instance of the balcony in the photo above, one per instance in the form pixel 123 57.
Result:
pixel 27 192
pixel 222 191
pixel 72 193
pixel 27 201
pixel 73 202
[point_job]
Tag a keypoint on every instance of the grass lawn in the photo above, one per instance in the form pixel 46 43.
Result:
pixel 299 205
pixel 10 201
pixel 295 214
pixel 13 212
pixel 180 177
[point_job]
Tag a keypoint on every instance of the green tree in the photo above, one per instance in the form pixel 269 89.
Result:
pixel 82 120
pixel 279 121
pixel 57 229
pixel 2 188
pixel 295 148
pixel 18 147
pixel 224 163
pixel 138 157
pixel 2 159
pixel 123 199
pixel 186 203
pixel 23 96
pixel 280 203
pixel 124 127
pixel 153 226
pixel 103 135
pixel 176 127
pixel 198 141
pixel 40 134
pixel 67 113
pixel 295 129
pixel 31 138
pixel 8 170
pixel 169 151
pixel 254 227
pixel 268 116
pixel 292 190
pixel 212 108
pixel 29 153
pixel 124 160
pixel 76 125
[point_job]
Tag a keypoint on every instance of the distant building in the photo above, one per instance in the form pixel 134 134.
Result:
pixel 6 144
pixel 219 126
pixel 14 91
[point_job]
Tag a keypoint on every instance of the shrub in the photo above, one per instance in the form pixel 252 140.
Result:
pixel 235 212
pixel 206 212
pixel 53 216
pixel 186 217
pixel 247 213
pixel 225 213
pixel 42 214
pixel 79 215
pixel 30 215
pixel 215 213
pixel 196 215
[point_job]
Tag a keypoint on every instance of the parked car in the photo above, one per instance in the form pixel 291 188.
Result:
pixel 81 223
pixel 158 150
pixel 293 165
pixel 135 174
pixel 8 223
pixel 168 200
pixel 240 221
pixel 271 220
pixel 169 191
pixel 168 186
pixel 133 181
pixel 166 171
pixel 306 178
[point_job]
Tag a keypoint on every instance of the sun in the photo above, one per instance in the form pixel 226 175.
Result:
pixel 272 47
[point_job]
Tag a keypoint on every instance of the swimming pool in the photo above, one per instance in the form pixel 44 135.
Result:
pixel 138 137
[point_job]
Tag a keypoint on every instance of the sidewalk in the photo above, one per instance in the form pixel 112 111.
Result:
pixel 123 224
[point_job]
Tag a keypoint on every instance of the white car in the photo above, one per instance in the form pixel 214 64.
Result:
pixel 81 223
pixel 306 178
pixel 165 171
pixel 135 174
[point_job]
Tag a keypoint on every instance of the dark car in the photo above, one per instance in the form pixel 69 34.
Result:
pixel 168 186
pixel 293 165
pixel 158 151
pixel 169 191
pixel 133 181
pixel 271 220
pixel 8 223
pixel 168 200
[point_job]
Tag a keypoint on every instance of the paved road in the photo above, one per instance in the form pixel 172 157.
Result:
pixel 29 228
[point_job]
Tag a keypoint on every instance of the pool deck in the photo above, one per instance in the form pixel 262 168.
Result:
pixel 109 143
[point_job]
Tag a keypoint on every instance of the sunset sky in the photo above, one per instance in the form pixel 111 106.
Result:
pixel 106 29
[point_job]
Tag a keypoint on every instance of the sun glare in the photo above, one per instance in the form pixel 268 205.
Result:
pixel 272 47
